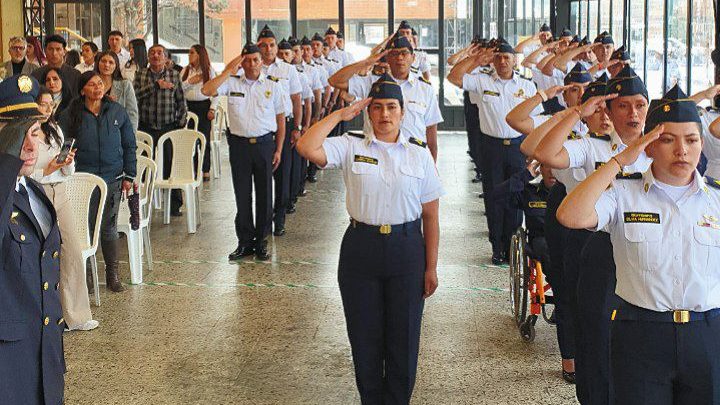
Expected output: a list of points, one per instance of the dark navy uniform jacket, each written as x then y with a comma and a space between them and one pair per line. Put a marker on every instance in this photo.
518, 192
32, 364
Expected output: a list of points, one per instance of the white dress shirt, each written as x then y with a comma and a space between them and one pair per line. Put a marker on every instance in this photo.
83, 67
193, 92
288, 78
252, 105
666, 252
421, 64
39, 209
711, 145
386, 183
123, 56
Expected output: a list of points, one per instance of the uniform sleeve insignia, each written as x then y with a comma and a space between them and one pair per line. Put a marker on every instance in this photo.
417, 142
712, 182
273, 78
414, 69
424, 80
629, 176
356, 134
573, 135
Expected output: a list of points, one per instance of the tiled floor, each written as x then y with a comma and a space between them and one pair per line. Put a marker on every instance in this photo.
202, 330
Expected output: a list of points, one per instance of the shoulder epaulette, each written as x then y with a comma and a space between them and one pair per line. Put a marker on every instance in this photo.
573, 135
235, 76
487, 71
712, 182
417, 142
629, 176
356, 134
273, 78
601, 137
424, 80
414, 69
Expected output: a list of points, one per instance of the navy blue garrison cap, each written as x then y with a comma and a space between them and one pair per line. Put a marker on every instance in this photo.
330, 31
284, 45
294, 41
566, 33
318, 38
544, 28
386, 87
596, 88
17, 97
620, 54
404, 25
305, 41
266, 32
400, 42
584, 41
250, 48
504, 47
340, 35
604, 38
578, 74
627, 83
575, 39
674, 106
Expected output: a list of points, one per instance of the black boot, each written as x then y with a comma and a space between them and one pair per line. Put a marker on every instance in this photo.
110, 255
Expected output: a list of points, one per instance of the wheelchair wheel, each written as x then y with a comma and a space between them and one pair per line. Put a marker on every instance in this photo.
519, 274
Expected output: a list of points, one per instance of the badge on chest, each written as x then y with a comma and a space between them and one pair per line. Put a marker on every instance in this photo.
641, 218
236, 94
366, 159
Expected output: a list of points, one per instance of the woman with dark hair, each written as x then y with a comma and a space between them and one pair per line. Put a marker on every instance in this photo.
72, 58
61, 94
105, 142
35, 53
138, 59
52, 175
116, 88
193, 76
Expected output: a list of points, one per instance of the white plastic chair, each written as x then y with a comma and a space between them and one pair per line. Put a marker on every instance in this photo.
144, 137
218, 127
184, 143
191, 116
80, 187
139, 240
144, 149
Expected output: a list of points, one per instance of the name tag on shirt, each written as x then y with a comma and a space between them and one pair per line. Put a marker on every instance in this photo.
537, 204
491, 93
366, 159
642, 218
236, 94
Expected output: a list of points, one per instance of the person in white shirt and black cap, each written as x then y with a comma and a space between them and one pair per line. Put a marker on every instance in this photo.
256, 114
388, 258
664, 230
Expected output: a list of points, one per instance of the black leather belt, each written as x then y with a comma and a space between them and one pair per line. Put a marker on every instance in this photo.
387, 228
260, 139
629, 312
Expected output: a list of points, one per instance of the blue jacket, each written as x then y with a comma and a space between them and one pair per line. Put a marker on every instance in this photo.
31, 324
105, 144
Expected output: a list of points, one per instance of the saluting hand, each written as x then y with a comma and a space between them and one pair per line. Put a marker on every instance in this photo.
631, 153
711, 92
353, 110
589, 107
374, 59
555, 90
234, 64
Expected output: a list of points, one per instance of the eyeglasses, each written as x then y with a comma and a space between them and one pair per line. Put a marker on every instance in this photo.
17, 48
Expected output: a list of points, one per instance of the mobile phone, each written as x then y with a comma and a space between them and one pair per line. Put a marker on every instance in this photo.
65, 150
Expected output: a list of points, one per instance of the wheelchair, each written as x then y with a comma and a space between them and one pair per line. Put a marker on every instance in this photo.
528, 287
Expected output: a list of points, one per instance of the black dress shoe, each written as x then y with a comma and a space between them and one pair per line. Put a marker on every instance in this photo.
312, 179
496, 259
241, 252
279, 231
175, 212
290, 209
477, 179
302, 193
569, 376
261, 253
481, 195
504, 257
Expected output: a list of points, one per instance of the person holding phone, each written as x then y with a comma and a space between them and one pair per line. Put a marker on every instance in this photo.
55, 164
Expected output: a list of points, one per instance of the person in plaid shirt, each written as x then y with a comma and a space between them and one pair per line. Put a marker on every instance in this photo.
161, 103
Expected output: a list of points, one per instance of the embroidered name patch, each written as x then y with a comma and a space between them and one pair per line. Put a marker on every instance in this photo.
236, 94
537, 204
491, 93
366, 159
642, 218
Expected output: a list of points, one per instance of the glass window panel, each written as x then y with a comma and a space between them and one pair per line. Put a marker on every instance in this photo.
604, 18
490, 15
224, 30
636, 32
574, 16
618, 12
78, 23
583, 18
677, 44
365, 25
512, 31
527, 18
593, 20
423, 16
178, 23
537, 15
703, 42
274, 13
654, 51
133, 18
458, 33
314, 16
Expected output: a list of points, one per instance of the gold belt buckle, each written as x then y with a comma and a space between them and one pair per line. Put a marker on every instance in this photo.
252, 141
385, 229
681, 316
506, 142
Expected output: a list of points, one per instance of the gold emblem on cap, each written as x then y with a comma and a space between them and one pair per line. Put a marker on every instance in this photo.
666, 108
24, 84
618, 87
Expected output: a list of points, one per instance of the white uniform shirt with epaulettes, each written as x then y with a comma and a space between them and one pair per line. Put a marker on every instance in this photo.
252, 105
476, 98
666, 252
341, 56
330, 67
306, 92
322, 73
386, 183
568, 176
419, 102
711, 145
498, 98
421, 64
288, 77
314, 78
593, 151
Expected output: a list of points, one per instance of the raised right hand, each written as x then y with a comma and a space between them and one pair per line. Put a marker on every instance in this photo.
631, 153
353, 110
